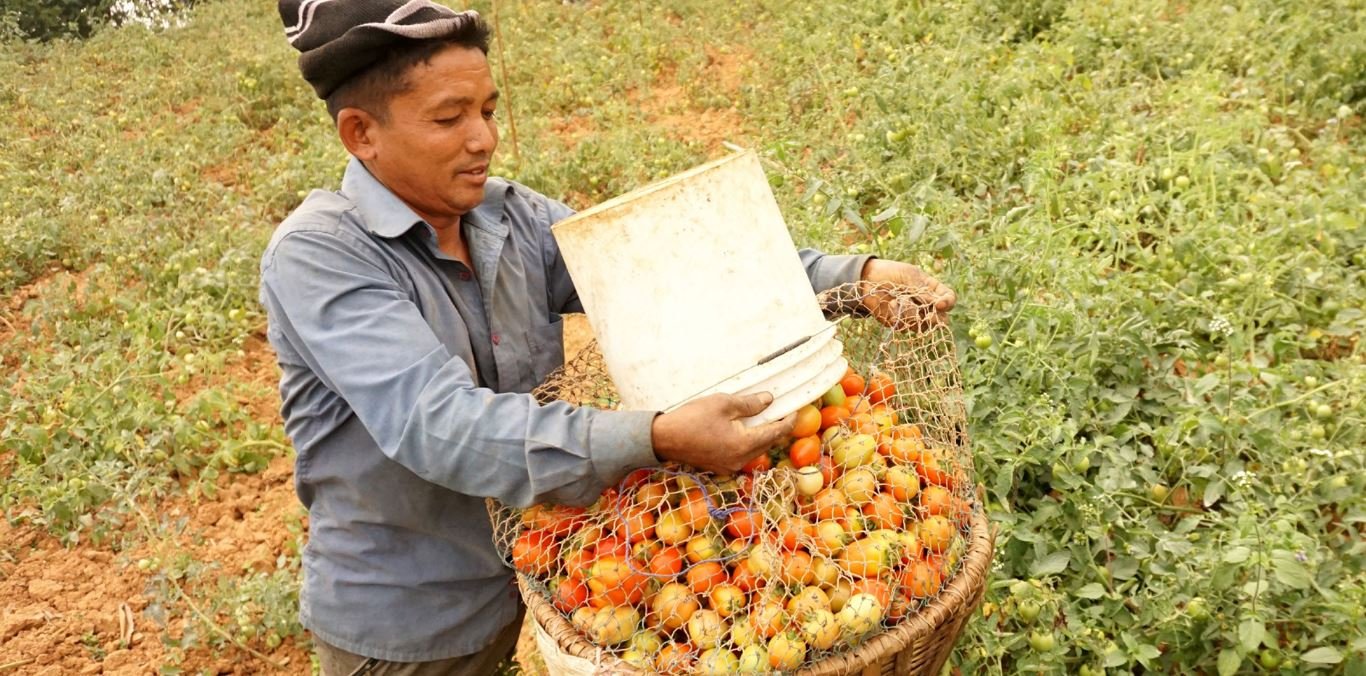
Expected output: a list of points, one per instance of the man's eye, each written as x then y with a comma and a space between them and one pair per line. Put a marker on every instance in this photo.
490, 114
448, 120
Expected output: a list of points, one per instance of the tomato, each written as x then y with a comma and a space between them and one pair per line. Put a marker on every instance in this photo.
921, 580
645, 550
852, 384
935, 501
796, 569
832, 416
807, 600
793, 531
763, 560
858, 404
702, 548
651, 496
907, 431
829, 472
903, 483
672, 528
862, 423
667, 563
935, 469
809, 480
570, 594
716, 662
638, 524
554, 519
868, 557
906, 450
884, 417
582, 620
820, 629
936, 534
672, 606
840, 593
859, 485
744, 524
744, 577
880, 388
875, 588
808, 422
613, 579
674, 658
704, 576
831, 536
1042, 641
696, 512
861, 615
615, 625
834, 396
535, 552
768, 618
577, 562
727, 599
753, 660
612, 545
857, 450
884, 512
706, 629
805, 451
760, 463
829, 504
824, 572
786, 652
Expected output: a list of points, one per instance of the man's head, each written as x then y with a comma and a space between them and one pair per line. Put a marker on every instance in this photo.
409, 86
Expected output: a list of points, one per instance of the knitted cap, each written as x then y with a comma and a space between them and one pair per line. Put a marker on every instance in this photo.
340, 38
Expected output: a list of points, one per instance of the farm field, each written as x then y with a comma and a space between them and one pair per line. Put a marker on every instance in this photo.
1152, 212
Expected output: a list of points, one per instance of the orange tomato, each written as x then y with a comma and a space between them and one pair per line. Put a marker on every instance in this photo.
535, 552
880, 388
935, 501
862, 423
674, 658
672, 606
727, 599
744, 577
832, 416
808, 422
858, 404
828, 504
884, 512
768, 618
695, 509
853, 384
760, 463
571, 593
796, 569
745, 523
934, 468
805, 451
906, 450
903, 483
638, 524
877, 588
667, 563
792, 530
706, 575
921, 580
936, 534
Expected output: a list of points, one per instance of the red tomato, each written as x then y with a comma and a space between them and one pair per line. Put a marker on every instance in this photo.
760, 463
805, 451
535, 552
833, 415
745, 524
852, 384
570, 593
880, 388
703, 576
668, 563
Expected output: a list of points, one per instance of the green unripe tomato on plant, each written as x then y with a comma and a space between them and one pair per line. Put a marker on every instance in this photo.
1029, 611
983, 341
1042, 641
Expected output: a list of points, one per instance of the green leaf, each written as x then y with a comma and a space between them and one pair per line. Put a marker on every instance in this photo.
1229, 661
1251, 633
1237, 554
1289, 571
1124, 567
1322, 655
1214, 490
1051, 565
1092, 591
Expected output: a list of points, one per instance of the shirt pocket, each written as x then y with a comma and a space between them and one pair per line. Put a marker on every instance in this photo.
547, 349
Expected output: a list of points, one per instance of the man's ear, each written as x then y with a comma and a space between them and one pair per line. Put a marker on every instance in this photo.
357, 131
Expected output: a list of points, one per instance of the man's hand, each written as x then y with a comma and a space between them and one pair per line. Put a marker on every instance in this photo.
707, 433
928, 305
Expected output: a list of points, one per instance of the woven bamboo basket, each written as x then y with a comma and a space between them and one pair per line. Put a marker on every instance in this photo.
920, 645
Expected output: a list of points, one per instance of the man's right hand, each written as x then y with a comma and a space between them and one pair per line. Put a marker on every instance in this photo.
707, 433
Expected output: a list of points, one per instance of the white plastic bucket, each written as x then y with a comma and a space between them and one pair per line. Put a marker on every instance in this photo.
693, 286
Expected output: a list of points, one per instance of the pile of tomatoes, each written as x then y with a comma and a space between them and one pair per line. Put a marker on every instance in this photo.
840, 533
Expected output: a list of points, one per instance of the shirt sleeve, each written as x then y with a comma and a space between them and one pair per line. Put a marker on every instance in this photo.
563, 296
367, 341
828, 271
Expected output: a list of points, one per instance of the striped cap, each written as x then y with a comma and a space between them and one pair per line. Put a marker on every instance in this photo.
339, 38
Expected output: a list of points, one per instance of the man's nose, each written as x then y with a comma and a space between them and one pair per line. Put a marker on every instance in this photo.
483, 137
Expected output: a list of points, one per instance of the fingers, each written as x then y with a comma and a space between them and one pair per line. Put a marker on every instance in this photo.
744, 406
766, 435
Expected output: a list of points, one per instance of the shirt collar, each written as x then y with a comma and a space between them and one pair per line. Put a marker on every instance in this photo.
384, 214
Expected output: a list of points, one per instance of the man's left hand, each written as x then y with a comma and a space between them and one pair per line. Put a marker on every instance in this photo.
929, 302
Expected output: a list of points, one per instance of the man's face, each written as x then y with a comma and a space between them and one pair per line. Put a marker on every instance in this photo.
434, 148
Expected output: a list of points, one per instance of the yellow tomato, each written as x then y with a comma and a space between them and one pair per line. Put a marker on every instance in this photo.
615, 624
859, 485
868, 557
706, 629
716, 662
820, 629
807, 600
672, 528
860, 615
786, 652
702, 548
753, 660
673, 605
825, 571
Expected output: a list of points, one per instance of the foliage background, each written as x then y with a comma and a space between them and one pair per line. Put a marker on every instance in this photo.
1151, 211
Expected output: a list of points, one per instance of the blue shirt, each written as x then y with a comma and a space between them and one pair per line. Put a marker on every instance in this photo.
405, 381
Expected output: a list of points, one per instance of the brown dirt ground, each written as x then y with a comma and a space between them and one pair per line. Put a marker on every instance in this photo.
61, 608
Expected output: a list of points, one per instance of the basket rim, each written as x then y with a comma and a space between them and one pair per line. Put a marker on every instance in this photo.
954, 600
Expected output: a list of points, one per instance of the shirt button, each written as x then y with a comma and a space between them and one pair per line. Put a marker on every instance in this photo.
464, 275
495, 339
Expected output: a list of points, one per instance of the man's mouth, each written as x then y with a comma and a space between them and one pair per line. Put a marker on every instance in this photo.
477, 171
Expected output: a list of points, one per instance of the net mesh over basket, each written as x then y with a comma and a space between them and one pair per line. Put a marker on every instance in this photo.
857, 544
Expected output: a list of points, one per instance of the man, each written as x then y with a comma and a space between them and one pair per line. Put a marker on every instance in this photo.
412, 311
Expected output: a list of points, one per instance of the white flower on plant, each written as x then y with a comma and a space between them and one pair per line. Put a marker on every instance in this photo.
1321, 452
1219, 324
1243, 479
